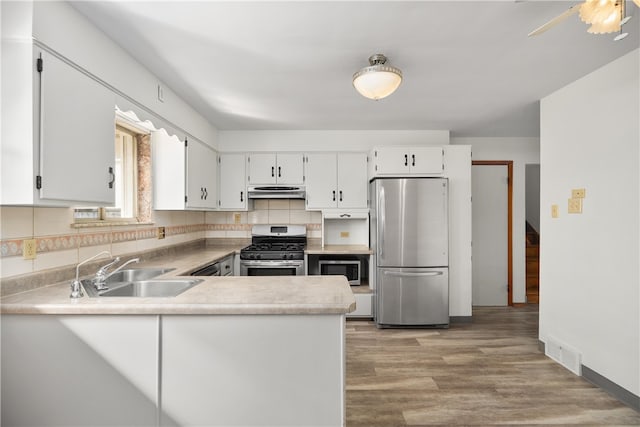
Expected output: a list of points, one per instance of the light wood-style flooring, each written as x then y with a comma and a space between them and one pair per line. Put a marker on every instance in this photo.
489, 372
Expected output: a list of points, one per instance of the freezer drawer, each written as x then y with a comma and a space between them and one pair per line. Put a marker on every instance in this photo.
412, 297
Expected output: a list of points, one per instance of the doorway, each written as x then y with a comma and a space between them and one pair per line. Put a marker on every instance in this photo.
492, 271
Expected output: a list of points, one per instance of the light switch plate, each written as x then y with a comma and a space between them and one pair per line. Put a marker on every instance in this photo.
344, 234
575, 206
578, 193
554, 211
162, 232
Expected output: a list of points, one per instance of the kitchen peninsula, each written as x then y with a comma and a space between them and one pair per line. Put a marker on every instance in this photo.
229, 351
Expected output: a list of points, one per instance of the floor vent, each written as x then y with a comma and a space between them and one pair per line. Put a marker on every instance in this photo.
565, 355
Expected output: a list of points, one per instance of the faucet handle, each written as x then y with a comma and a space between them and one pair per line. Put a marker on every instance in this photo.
105, 267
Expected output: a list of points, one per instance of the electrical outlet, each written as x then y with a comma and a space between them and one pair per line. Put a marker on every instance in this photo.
555, 213
578, 193
236, 218
161, 233
29, 248
575, 206
344, 234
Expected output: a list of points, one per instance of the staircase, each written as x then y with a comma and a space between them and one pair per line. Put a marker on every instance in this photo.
533, 264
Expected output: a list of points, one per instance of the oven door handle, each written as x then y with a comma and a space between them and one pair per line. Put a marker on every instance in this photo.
274, 263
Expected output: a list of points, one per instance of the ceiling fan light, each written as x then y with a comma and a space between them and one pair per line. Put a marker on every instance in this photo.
594, 11
604, 28
378, 80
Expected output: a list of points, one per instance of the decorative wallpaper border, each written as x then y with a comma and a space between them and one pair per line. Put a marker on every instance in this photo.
62, 242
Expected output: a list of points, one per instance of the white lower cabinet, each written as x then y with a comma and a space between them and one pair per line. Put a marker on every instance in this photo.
363, 306
79, 370
248, 370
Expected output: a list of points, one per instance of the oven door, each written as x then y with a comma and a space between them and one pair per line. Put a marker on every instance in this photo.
272, 268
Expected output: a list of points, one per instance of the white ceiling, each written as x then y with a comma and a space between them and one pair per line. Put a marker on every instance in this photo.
468, 66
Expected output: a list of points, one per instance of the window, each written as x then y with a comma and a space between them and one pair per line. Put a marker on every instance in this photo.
126, 175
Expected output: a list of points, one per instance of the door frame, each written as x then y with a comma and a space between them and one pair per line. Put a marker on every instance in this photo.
509, 165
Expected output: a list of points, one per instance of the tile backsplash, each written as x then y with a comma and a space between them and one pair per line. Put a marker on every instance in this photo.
60, 244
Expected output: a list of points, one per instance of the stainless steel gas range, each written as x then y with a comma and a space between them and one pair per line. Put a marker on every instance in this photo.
275, 250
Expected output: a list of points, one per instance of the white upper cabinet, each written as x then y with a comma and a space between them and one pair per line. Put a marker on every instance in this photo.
202, 176
67, 120
184, 173
336, 180
232, 192
407, 160
275, 168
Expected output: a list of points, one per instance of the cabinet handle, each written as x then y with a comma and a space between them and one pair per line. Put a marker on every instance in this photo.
406, 160
273, 171
113, 177
201, 193
413, 160
279, 172
242, 196
334, 195
345, 216
340, 195
206, 193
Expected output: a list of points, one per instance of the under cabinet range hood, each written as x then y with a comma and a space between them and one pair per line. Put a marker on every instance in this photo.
276, 192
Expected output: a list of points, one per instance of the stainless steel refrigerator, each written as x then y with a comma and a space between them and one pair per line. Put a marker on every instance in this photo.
410, 239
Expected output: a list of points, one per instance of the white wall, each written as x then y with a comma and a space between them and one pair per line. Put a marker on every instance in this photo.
326, 140
521, 151
589, 267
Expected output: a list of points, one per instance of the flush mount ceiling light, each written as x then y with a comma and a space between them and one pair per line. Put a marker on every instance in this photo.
378, 80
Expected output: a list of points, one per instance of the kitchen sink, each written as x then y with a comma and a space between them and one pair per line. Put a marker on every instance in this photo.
150, 288
133, 274
139, 282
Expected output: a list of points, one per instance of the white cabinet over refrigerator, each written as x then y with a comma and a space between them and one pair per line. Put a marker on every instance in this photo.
393, 160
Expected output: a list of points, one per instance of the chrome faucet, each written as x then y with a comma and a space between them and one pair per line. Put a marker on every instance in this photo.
76, 286
102, 275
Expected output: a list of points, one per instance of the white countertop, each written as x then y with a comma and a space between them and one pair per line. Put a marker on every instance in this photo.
215, 295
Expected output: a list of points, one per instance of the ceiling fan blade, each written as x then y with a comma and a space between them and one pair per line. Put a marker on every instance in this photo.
558, 19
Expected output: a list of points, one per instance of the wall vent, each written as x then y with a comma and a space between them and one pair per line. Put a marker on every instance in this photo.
565, 355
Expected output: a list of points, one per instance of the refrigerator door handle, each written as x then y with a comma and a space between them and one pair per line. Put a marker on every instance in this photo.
381, 203
409, 274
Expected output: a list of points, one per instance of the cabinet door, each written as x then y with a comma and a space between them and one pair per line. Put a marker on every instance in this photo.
202, 175
321, 181
233, 190
77, 131
426, 160
391, 160
261, 168
290, 168
74, 370
352, 180
169, 173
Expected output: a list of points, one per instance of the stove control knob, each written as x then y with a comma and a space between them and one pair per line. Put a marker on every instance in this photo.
258, 256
